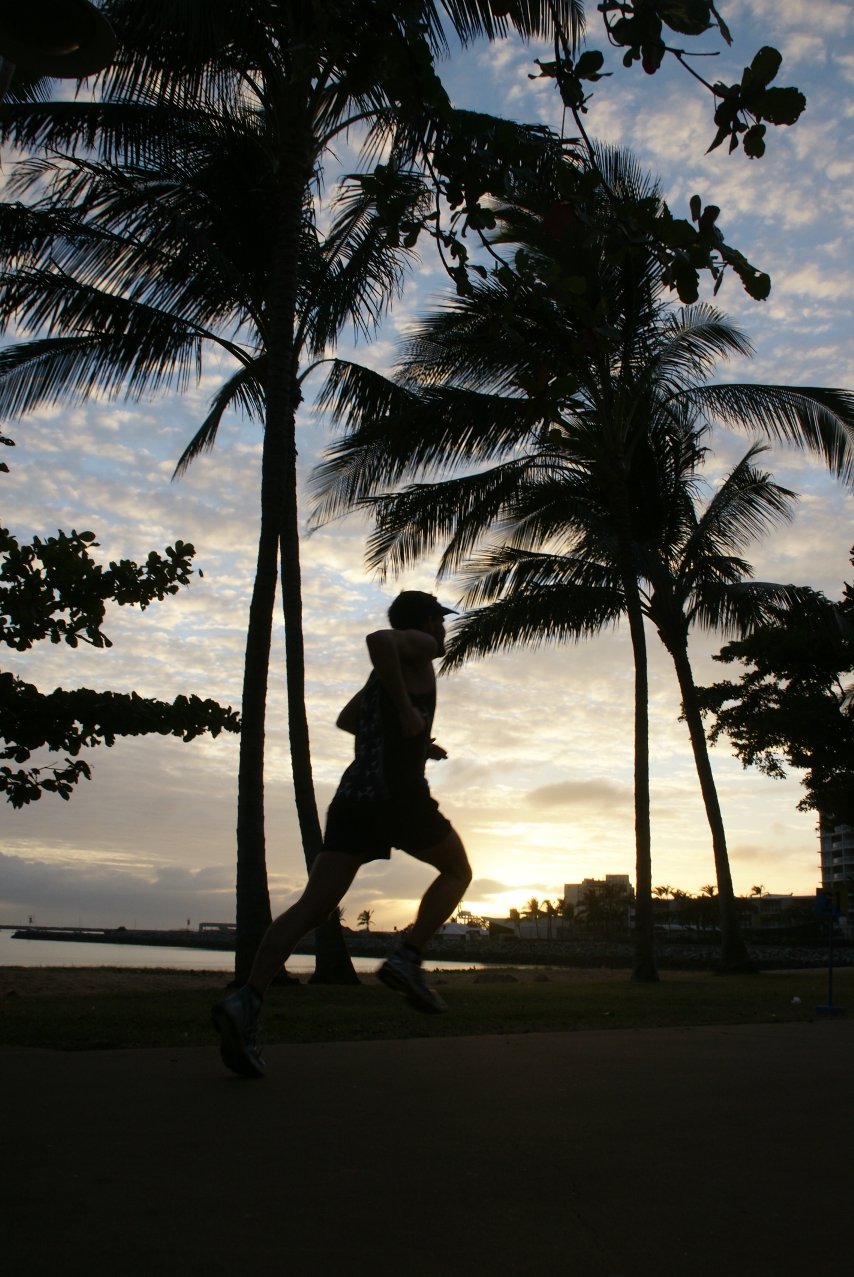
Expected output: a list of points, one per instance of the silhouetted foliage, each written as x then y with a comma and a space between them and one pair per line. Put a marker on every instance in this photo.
53, 589
791, 706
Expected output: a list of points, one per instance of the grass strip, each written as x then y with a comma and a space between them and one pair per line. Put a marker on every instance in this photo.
317, 1013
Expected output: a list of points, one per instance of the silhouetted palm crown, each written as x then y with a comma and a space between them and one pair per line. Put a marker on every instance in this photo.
570, 352
132, 269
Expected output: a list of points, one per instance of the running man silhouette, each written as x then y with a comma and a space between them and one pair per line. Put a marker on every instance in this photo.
383, 801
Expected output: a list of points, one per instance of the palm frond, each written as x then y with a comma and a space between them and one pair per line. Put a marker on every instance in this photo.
356, 272
355, 395
506, 571
692, 341
532, 19
410, 523
548, 614
733, 610
745, 507
812, 417
396, 433
68, 370
245, 389
122, 132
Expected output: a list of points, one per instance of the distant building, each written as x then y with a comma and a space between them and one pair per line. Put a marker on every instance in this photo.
462, 930
543, 928
836, 857
772, 908
837, 854
573, 891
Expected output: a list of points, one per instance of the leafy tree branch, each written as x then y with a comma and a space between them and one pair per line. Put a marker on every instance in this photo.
54, 589
792, 706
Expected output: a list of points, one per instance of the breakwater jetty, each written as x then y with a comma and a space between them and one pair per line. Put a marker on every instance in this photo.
502, 950
209, 936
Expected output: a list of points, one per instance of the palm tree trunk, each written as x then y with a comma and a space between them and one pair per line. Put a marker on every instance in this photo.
253, 898
333, 963
645, 969
734, 955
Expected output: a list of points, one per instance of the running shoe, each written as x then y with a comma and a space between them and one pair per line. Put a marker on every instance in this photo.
403, 974
236, 1020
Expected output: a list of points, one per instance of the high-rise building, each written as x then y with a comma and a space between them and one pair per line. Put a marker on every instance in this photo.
837, 854
572, 890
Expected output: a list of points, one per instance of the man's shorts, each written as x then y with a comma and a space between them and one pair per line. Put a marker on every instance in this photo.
370, 827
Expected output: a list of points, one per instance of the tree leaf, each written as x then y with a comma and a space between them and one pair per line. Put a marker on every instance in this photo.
780, 106
765, 65
754, 141
688, 17
589, 64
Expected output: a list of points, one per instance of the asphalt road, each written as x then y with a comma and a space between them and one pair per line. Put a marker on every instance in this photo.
680, 1153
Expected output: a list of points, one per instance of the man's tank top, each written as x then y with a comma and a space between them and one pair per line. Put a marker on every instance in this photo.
387, 764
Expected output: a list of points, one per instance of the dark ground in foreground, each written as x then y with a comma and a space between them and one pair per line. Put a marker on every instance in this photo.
636, 1153
102, 1009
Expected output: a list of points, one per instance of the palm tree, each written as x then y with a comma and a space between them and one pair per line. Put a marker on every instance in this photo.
364, 919
661, 893
133, 271
303, 74
700, 579
534, 912
572, 358
566, 911
552, 910
687, 563
516, 919
680, 897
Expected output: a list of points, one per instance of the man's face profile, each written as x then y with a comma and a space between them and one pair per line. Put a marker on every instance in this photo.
435, 627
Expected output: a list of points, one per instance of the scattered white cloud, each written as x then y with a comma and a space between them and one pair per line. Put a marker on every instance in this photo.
828, 17
597, 792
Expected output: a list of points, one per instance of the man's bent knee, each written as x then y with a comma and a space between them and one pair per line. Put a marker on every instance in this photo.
461, 868
464, 872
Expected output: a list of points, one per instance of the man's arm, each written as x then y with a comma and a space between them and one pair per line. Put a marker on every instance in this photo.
388, 649
348, 719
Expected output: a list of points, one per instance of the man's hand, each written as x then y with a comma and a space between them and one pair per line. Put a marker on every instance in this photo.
412, 720
436, 751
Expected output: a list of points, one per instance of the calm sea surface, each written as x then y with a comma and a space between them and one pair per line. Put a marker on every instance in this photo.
59, 953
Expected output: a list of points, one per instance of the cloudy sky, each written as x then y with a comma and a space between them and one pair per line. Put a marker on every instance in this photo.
538, 779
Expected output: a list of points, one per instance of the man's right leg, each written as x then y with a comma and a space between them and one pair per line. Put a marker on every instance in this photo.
236, 1018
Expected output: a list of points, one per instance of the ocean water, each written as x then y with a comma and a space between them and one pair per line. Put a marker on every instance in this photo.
64, 953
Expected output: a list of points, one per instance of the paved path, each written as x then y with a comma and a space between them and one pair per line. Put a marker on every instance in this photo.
710, 1152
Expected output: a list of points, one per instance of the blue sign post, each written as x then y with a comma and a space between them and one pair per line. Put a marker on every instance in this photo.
831, 903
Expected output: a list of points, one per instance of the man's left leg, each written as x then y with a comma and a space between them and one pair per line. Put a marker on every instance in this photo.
330, 879
236, 1017
402, 971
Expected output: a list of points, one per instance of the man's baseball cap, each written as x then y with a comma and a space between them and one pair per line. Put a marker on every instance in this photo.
412, 608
